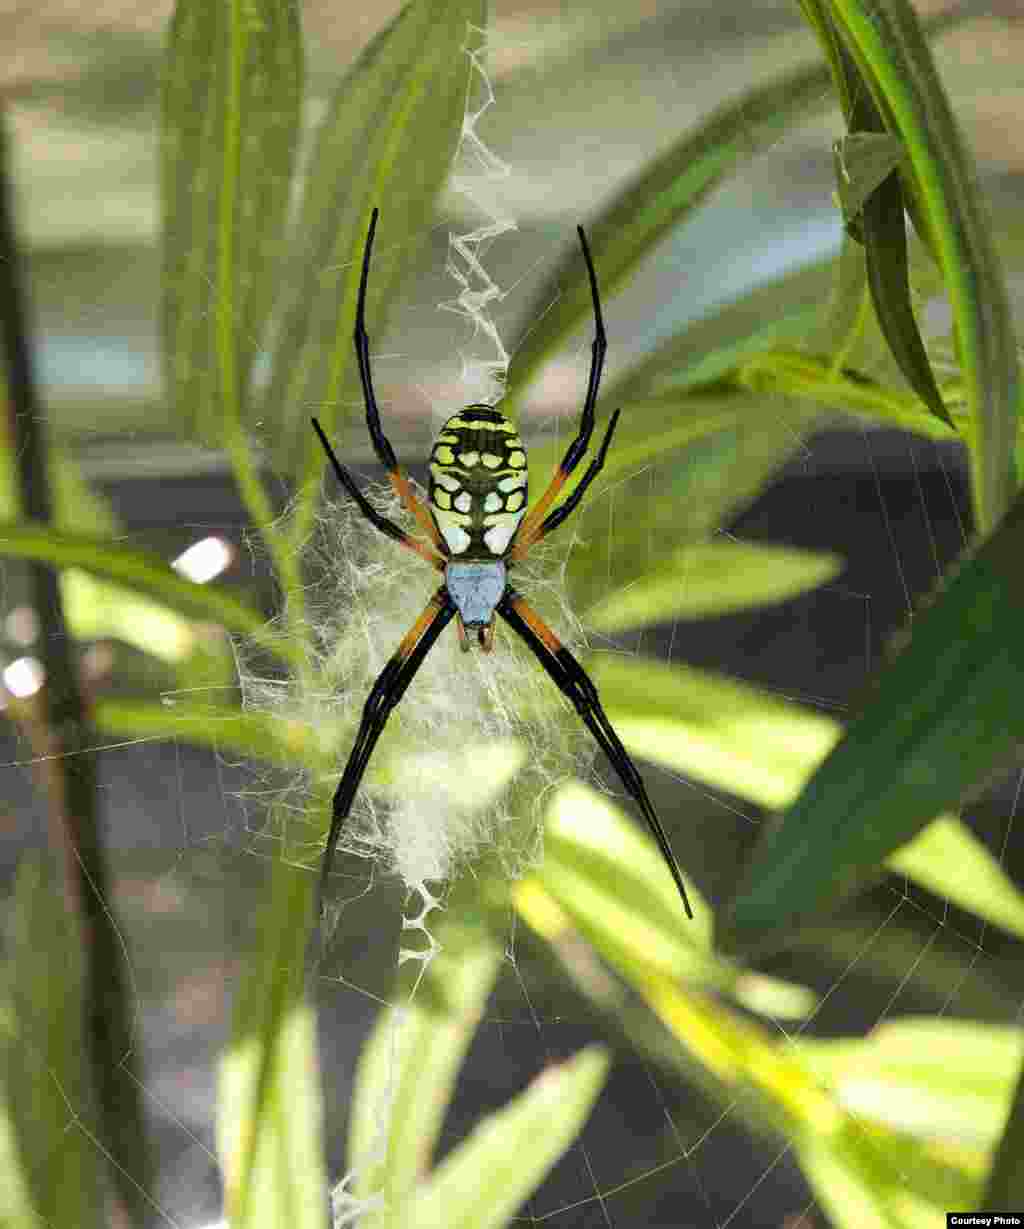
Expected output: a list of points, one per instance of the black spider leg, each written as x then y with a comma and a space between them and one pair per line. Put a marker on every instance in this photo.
597, 352
380, 442
385, 694
369, 511
530, 525
572, 680
381, 445
554, 519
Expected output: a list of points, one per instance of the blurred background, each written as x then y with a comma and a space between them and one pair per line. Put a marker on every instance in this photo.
585, 95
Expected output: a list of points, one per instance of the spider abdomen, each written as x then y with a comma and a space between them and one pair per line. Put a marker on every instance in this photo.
478, 486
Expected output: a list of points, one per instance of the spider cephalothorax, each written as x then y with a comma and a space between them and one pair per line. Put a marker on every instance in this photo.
478, 527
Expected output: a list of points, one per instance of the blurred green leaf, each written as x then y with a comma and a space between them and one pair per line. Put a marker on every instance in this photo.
232, 93
141, 571
942, 719
269, 1117
719, 730
762, 748
54, 1176
96, 609
607, 875
387, 140
665, 192
75, 503
485, 1180
933, 1076
700, 358
1004, 1187
708, 579
672, 498
887, 43
803, 377
872, 1177
663, 195
252, 735
949, 860
407, 1070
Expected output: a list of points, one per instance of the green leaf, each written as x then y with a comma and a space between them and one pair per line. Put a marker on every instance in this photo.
717, 729
269, 1114
141, 571
942, 719
282, 740
869, 1177
706, 351
665, 192
672, 498
484, 1182
709, 579
606, 874
884, 235
978, 884
1005, 1185
387, 140
232, 94
934, 1077
891, 53
52, 1176
863, 161
662, 196
406, 1072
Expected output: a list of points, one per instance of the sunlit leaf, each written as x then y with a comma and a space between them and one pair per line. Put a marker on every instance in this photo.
709, 579
935, 1077
142, 571
978, 883
485, 1180
269, 1115
407, 1070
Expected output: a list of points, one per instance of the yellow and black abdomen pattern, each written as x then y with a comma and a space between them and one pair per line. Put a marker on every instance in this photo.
478, 482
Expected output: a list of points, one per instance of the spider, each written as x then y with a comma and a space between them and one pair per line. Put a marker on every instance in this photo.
479, 527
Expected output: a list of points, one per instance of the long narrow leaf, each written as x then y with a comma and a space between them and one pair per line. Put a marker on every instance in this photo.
269, 1108
891, 52
945, 716
483, 1183
142, 571
407, 1071
387, 140
240, 63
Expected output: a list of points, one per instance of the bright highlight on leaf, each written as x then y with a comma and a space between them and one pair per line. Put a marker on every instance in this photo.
204, 560
24, 677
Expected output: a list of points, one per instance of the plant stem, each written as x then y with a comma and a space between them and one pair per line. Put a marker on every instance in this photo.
68, 745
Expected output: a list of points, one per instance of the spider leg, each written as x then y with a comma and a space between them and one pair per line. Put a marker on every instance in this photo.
571, 679
555, 518
385, 694
529, 527
370, 512
381, 446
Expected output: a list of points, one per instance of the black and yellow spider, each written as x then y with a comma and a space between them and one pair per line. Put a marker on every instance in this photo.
479, 528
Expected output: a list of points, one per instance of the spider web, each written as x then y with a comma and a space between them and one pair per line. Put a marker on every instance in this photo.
654, 1152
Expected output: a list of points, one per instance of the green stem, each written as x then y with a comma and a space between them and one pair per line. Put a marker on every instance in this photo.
252, 490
